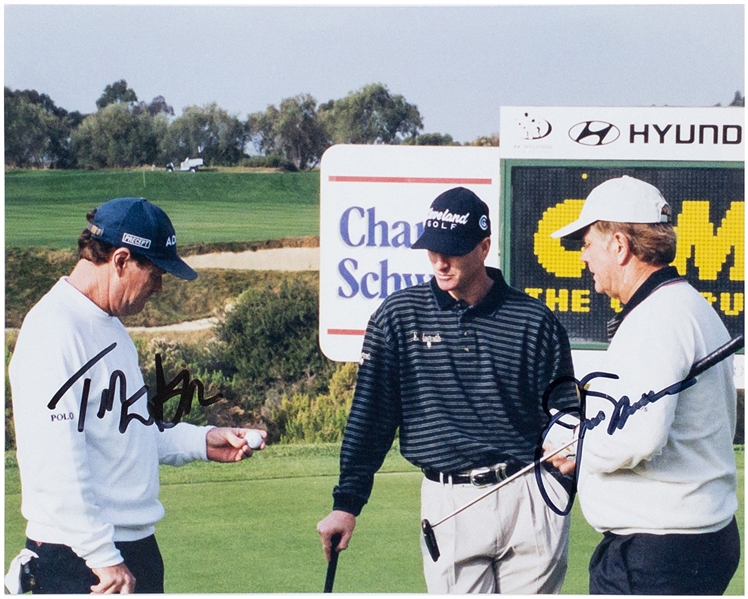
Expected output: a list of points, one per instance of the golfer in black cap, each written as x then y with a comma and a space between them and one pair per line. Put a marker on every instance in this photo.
88, 451
459, 365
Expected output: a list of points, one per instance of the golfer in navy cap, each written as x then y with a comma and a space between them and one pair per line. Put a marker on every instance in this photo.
459, 365
89, 481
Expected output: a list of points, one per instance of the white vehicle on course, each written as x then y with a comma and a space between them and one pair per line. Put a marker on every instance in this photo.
188, 164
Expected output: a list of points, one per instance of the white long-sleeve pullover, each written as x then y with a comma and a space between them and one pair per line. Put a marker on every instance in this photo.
87, 489
671, 468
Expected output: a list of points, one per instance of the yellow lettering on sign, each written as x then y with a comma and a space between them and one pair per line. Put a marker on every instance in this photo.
558, 299
710, 251
731, 308
696, 236
580, 300
710, 297
552, 256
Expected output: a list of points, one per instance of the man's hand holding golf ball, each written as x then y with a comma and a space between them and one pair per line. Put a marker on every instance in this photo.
233, 444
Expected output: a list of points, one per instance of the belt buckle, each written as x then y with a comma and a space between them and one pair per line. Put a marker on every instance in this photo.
488, 475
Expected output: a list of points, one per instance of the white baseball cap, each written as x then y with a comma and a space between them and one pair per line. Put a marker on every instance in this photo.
620, 200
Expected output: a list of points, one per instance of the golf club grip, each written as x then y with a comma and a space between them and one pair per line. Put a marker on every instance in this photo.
333, 564
717, 356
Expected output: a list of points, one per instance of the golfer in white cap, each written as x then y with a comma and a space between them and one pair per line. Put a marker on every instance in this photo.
661, 489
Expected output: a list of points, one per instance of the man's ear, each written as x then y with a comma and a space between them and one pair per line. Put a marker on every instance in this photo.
485, 246
119, 259
621, 247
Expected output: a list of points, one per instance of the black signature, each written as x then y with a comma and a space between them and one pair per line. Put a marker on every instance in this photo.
182, 385
623, 409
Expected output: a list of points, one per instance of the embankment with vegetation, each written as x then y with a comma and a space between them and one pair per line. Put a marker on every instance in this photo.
262, 357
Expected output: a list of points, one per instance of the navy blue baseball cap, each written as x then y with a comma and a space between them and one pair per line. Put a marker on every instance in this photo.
144, 229
457, 222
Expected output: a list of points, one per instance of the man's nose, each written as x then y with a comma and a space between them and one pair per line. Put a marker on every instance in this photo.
440, 261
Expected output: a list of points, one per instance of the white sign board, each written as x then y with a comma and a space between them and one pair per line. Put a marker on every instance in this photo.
610, 133
373, 204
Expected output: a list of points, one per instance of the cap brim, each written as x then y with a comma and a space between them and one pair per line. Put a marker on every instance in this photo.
177, 267
573, 230
449, 245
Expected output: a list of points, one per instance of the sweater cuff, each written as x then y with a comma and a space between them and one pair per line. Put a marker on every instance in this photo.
196, 443
182, 444
104, 557
347, 502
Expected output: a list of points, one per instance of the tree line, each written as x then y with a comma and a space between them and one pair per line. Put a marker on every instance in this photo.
125, 132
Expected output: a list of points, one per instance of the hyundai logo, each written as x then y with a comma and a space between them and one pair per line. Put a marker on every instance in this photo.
594, 133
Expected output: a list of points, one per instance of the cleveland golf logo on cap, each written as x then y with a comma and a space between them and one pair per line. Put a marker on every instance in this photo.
439, 219
140, 242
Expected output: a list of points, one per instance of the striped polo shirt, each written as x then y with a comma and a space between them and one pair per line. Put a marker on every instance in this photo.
464, 384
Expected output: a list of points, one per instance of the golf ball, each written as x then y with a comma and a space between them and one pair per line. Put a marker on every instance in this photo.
253, 439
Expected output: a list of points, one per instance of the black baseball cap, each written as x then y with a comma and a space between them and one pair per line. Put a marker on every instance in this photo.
457, 222
144, 229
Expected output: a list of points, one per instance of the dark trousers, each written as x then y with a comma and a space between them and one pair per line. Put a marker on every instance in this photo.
677, 564
60, 571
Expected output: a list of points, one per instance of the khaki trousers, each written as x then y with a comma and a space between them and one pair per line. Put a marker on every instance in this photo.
510, 542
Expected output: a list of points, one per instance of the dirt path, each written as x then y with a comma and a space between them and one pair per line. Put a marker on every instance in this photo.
191, 325
286, 259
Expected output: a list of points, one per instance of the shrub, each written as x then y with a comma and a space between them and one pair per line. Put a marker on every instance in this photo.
270, 341
199, 361
271, 161
303, 419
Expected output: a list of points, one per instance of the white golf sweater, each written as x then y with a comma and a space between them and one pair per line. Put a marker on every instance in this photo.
671, 468
87, 489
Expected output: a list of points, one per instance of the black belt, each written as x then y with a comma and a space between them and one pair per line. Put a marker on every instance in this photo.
479, 477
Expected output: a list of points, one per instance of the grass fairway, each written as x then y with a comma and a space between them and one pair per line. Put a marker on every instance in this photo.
48, 208
250, 527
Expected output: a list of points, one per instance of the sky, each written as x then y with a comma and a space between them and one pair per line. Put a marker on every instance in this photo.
457, 64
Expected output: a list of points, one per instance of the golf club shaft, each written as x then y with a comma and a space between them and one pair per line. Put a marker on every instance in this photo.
505, 482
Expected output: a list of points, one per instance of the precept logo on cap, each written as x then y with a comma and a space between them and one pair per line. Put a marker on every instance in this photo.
140, 242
